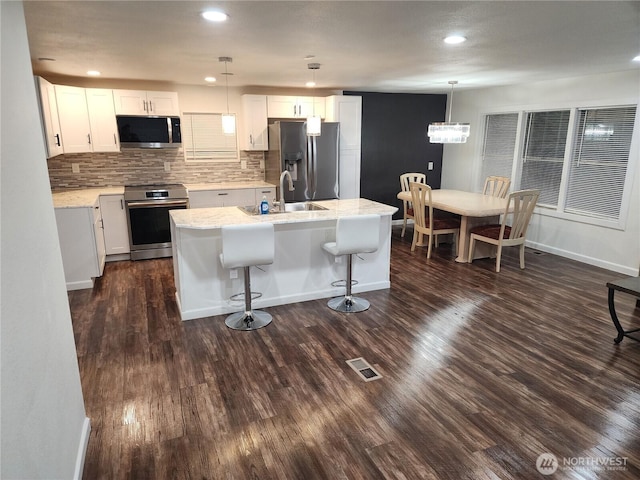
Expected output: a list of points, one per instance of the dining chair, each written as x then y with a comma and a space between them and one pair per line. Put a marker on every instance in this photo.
405, 180
496, 186
424, 222
519, 209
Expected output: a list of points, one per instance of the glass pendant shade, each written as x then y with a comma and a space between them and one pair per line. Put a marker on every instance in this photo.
449, 132
446, 132
313, 126
228, 124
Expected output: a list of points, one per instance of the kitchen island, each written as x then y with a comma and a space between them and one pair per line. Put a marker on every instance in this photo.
301, 271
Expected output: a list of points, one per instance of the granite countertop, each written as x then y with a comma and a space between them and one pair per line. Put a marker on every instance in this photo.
82, 198
208, 218
87, 197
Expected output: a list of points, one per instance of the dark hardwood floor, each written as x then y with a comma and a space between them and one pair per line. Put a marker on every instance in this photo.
482, 373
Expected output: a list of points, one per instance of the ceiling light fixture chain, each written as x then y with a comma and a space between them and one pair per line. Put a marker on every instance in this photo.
314, 123
228, 120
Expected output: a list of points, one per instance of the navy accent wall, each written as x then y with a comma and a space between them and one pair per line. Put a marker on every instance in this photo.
394, 141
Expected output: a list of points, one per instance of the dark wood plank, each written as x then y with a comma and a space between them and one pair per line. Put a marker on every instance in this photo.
482, 372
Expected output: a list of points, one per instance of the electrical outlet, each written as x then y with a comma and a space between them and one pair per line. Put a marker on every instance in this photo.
243, 164
233, 273
430, 166
75, 167
167, 166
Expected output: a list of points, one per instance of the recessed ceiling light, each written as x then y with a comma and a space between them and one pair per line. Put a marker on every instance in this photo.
310, 84
93, 73
215, 16
636, 59
309, 57
455, 39
210, 79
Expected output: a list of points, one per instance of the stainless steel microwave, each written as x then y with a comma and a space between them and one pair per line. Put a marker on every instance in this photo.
149, 132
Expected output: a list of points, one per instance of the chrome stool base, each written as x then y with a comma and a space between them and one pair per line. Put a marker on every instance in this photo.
252, 320
348, 304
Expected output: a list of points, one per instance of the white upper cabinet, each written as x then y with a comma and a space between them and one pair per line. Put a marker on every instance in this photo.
87, 119
49, 117
74, 119
284, 106
255, 135
102, 119
141, 102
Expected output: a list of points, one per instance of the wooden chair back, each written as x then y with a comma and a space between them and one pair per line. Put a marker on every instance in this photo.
496, 186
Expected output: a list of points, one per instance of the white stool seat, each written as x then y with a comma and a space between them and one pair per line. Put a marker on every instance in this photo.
244, 246
355, 234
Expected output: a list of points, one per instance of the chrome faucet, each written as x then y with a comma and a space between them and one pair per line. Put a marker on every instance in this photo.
291, 189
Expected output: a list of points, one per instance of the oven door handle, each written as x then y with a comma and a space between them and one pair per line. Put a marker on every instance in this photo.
176, 203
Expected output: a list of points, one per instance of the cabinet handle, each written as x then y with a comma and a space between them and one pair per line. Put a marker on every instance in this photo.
223, 194
266, 191
89, 138
251, 139
121, 204
144, 105
57, 137
115, 142
150, 106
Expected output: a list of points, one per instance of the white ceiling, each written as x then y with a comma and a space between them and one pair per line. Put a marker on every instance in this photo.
362, 45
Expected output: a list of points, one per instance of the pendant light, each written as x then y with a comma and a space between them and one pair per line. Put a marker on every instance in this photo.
314, 122
228, 120
448, 132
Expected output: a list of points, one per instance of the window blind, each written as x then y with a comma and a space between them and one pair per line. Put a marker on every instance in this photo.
599, 161
543, 154
499, 144
203, 138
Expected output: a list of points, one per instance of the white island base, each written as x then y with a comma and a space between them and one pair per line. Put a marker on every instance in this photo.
301, 270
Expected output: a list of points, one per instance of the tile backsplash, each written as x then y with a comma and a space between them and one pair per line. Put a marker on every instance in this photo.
140, 166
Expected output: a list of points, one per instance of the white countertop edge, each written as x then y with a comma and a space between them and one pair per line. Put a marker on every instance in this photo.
212, 218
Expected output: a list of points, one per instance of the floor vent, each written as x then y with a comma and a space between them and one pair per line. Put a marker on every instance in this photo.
362, 368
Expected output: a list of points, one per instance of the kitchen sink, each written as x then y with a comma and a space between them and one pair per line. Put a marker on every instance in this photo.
288, 208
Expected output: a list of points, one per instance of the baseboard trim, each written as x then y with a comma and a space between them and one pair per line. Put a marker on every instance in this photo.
82, 449
596, 262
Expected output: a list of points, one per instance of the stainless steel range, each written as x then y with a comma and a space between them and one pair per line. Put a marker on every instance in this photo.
148, 217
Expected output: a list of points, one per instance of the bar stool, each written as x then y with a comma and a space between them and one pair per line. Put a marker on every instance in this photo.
357, 234
246, 246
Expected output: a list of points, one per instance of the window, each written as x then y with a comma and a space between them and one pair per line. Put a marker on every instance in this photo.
204, 140
543, 154
499, 144
599, 161
577, 158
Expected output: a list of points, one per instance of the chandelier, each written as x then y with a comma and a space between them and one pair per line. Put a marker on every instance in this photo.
449, 132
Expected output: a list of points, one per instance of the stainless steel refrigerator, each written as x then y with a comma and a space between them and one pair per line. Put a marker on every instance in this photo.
311, 161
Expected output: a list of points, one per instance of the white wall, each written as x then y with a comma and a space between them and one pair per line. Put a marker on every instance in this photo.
616, 250
44, 427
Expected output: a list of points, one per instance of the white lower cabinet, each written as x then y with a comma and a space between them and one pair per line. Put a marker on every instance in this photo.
268, 192
81, 244
222, 198
114, 221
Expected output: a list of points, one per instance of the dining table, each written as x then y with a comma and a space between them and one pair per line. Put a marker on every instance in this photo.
474, 209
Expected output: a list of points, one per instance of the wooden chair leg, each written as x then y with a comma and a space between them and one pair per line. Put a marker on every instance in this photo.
430, 245
522, 256
472, 246
404, 226
498, 257
415, 240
